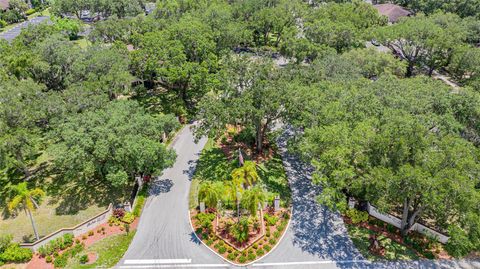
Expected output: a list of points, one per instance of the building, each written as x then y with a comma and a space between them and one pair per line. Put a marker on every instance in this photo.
4, 4
393, 12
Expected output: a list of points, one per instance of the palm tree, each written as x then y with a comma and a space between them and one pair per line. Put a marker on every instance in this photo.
210, 194
252, 198
246, 175
27, 200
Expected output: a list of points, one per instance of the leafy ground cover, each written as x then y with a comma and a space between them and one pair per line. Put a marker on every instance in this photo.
109, 251
393, 250
377, 240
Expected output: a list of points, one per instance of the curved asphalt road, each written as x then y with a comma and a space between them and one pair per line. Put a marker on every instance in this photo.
14, 32
316, 237
164, 234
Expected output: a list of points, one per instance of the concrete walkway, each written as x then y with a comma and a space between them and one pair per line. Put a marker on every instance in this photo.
14, 32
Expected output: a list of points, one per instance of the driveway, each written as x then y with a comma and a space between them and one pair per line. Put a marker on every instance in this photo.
316, 237
14, 32
164, 235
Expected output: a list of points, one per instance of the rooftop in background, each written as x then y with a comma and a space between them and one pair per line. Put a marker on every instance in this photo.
4, 4
393, 12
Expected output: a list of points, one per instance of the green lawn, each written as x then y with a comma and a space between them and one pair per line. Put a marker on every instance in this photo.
393, 250
213, 165
47, 219
109, 250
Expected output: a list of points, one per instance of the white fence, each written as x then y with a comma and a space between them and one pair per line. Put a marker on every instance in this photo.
81, 228
397, 223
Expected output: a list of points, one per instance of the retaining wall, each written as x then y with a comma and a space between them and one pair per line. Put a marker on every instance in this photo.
81, 228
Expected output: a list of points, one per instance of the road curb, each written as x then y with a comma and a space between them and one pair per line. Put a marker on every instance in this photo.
244, 264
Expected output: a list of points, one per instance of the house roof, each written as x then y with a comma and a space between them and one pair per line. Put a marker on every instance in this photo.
393, 12
4, 4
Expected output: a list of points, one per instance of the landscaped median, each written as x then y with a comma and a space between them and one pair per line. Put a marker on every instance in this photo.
243, 240
239, 200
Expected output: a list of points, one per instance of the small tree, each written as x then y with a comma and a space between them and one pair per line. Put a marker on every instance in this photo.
27, 200
252, 198
210, 194
246, 175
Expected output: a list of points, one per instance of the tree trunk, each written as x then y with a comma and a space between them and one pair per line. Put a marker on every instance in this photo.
33, 224
259, 138
410, 69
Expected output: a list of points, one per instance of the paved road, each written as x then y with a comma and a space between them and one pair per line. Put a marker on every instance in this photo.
164, 232
14, 32
316, 237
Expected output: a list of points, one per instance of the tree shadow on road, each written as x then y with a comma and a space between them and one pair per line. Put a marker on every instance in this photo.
160, 186
316, 230
194, 239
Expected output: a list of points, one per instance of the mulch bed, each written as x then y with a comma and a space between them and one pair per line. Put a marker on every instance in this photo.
396, 237
38, 262
230, 148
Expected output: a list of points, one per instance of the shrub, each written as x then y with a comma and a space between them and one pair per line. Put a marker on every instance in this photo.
286, 215
90, 233
357, 216
217, 246
141, 197
30, 11
459, 244
48, 259
119, 213
242, 259
391, 228
255, 246
251, 256
240, 230
222, 250
3, 23
276, 234
267, 247
260, 252
429, 255
84, 237
231, 256
83, 259
128, 218
55, 254
272, 241
5, 242
209, 242
67, 240
15, 254
43, 251
271, 220
205, 221
229, 250
60, 262
77, 241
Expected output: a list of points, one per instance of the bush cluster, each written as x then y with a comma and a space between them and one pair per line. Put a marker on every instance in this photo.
357, 216
60, 243
270, 219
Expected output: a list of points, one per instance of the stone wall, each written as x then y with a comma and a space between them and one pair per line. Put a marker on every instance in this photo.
81, 228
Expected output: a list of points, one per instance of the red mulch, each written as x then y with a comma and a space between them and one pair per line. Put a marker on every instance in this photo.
230, 148
38, 262
397, 237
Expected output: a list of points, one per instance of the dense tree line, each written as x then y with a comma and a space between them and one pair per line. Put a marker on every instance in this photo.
371, 124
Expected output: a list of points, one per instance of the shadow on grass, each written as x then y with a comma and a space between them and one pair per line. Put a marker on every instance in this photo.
75, 196
214, 165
